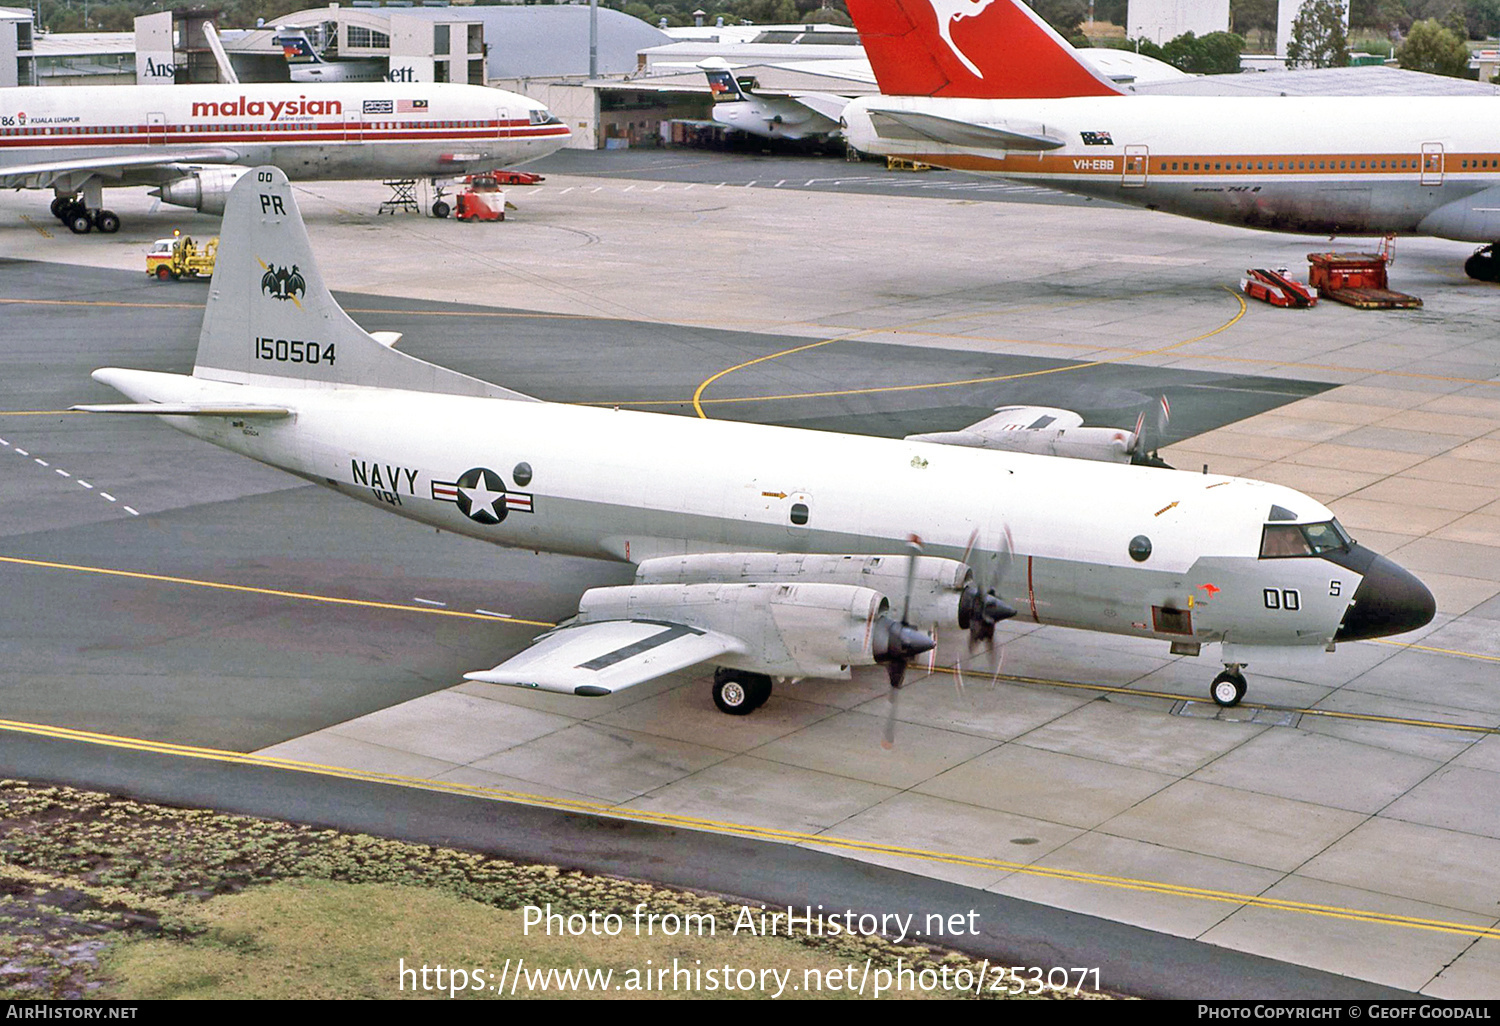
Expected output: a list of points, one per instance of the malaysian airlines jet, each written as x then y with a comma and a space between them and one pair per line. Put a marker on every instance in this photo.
763, 551
986, 86
192, 142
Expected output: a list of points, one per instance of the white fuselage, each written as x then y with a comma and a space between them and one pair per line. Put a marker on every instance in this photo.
325, 131
774, 117
630, 486
1320, 165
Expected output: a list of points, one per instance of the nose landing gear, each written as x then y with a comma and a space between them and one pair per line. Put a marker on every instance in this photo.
1228, 687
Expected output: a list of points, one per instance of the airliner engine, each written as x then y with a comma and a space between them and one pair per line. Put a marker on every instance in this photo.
203, 189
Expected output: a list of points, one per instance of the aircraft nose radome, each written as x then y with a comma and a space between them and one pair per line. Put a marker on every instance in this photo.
1390, 600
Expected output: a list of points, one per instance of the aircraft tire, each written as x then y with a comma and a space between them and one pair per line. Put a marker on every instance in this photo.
107, 221
80, 224
441, 209
60, 205
733, 693
1483, 265
1228, 689
760, 688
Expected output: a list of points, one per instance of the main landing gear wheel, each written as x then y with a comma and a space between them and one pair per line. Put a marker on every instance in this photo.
107, 221
1228, 688
80, 224
60, 205
739, 693
1484, 265
441, 209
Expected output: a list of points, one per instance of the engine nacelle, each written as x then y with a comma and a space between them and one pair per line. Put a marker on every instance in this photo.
788, 630
936, 587
1042, 431
204, 189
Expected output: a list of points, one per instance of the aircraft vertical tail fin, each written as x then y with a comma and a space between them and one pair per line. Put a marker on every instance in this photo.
721, 81
985, 49
271, 320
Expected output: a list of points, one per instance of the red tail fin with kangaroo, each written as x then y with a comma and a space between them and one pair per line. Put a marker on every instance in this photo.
987, 49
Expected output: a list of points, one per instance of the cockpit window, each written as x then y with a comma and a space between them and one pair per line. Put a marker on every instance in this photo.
1285, 541
542, 116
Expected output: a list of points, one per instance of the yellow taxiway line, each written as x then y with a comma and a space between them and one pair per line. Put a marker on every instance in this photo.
278, 593
755, 832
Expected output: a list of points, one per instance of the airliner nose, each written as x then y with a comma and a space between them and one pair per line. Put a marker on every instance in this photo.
1389, 600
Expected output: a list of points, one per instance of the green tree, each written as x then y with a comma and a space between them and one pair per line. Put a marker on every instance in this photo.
1318, 37
1112, 11
1217, 53
1258, 16
1434, 49
1066, 16
1483, 17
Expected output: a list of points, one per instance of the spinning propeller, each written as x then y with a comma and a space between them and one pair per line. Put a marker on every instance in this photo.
980, 606
1150, 435
896, 643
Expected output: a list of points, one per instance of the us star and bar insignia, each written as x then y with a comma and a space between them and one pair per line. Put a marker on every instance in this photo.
481, 495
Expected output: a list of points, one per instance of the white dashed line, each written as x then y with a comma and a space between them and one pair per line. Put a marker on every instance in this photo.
491, 612
60, 472
427, 602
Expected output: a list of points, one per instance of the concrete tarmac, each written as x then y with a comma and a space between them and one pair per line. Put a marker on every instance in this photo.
1346, 821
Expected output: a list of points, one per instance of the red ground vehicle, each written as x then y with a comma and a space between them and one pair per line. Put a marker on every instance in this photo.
481, 200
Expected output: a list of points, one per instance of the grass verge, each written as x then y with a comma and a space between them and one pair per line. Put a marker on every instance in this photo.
102, 896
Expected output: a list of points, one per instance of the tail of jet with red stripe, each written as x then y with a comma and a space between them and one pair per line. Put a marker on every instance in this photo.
986, 49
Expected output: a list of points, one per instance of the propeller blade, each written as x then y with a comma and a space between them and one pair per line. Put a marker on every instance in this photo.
914, 546
889, 740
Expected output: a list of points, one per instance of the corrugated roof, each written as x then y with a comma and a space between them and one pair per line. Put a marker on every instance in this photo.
1368, 81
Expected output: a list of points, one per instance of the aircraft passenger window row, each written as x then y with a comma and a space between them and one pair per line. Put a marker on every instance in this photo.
1298, 165
1284, 541
1481, 163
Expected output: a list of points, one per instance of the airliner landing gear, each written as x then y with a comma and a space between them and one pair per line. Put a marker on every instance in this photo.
1228, 687
1484, 265
80, 220
740, 693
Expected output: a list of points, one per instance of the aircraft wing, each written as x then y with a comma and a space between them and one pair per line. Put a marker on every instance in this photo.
826, 104
913, 125
603, 657
188, 409
44, 175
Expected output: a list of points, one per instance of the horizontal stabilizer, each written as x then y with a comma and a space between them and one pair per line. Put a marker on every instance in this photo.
601, 658
909, 126
826, 104
188, 409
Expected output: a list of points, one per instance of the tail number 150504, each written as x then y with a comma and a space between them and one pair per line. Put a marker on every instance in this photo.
284, 350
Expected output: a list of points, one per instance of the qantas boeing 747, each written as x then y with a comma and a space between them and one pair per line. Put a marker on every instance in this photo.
986, 86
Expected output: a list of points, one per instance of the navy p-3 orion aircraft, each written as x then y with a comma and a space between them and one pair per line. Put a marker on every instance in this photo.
768, 552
